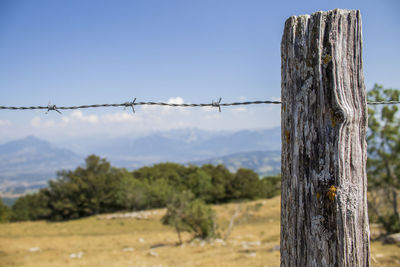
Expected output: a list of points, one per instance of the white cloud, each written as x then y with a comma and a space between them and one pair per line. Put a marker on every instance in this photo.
35, 122
120, 117
49, 123
4, 122
175, 100
77, 115
239, 109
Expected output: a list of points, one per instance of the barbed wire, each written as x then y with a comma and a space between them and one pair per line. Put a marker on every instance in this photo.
132, 104
383, 102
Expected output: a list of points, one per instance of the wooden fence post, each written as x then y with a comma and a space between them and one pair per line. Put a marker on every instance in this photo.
324, 219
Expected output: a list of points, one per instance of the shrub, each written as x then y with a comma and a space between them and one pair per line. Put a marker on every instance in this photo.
185, 213
391, 223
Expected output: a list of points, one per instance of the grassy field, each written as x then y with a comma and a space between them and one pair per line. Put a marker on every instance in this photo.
254, 241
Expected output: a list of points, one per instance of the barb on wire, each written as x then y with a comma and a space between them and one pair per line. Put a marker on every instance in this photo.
52, 107
131, 104
217, 104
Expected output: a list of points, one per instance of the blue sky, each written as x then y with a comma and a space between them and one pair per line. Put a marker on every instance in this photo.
88, 52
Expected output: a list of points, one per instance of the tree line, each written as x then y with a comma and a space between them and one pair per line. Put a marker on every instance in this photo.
97, 187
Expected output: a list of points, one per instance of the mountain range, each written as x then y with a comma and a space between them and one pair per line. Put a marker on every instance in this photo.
27, 164
262, 162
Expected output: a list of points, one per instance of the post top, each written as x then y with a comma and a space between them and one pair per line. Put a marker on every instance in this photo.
321, 13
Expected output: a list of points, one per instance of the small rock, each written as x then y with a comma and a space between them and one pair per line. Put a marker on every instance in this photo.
153, 253
35, 249
195, 240
375, 236
392, 239
220, 241
233, 242
252, 254
246, 245
76, 255
202, 243
158, 245
379, 255
254, 243
275, 248
128, 249
141, 240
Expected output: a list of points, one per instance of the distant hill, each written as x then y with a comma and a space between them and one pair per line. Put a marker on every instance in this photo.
9, 201
262, 162
28, 163
180, 146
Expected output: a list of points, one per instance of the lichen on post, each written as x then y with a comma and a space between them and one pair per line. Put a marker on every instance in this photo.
324, 219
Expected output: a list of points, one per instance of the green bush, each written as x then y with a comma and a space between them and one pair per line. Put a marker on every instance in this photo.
391, 223
185, 213
200, 218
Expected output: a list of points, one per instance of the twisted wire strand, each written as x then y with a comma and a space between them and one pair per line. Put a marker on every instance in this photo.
129, 104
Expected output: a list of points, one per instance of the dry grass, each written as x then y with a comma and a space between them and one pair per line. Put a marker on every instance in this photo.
110, 242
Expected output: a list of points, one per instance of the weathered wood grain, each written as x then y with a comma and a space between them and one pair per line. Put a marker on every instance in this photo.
324, 220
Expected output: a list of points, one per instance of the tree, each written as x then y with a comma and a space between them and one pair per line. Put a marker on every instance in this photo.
221, 179
270, 186
132, 194
200, 183
383, 164
245, 185
31, 207
85, 191
176, 209
160, 191
4, 212
185, 213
